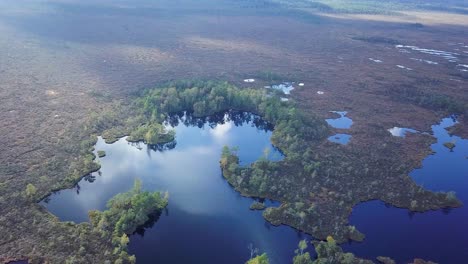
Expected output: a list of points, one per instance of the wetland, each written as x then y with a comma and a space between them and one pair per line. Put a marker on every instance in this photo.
205, 218
223, 131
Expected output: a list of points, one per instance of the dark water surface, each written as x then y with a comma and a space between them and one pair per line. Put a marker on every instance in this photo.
206, 220
440, 236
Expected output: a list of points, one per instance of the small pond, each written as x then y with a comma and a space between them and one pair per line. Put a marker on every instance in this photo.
285, 87
206, 221
342, 139
401, 131
342, 122
448, 55
440, 236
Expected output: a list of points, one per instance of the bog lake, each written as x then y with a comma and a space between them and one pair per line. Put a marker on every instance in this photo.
206, 221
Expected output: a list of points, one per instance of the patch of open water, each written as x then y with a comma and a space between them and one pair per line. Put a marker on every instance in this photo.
206, 221
285, 87
342, 139
425, 61
375, 60
441, 235
343, 122
401, 131
462, 67
450, 56
404, 67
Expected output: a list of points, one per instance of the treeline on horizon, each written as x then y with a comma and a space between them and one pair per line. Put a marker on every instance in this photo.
389, 7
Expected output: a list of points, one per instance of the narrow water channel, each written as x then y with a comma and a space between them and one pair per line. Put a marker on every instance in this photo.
440, 236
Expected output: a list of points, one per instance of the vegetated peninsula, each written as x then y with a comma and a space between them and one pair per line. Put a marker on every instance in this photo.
328, 252
126, 212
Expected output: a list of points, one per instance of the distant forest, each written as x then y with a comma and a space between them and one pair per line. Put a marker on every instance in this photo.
376, 6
